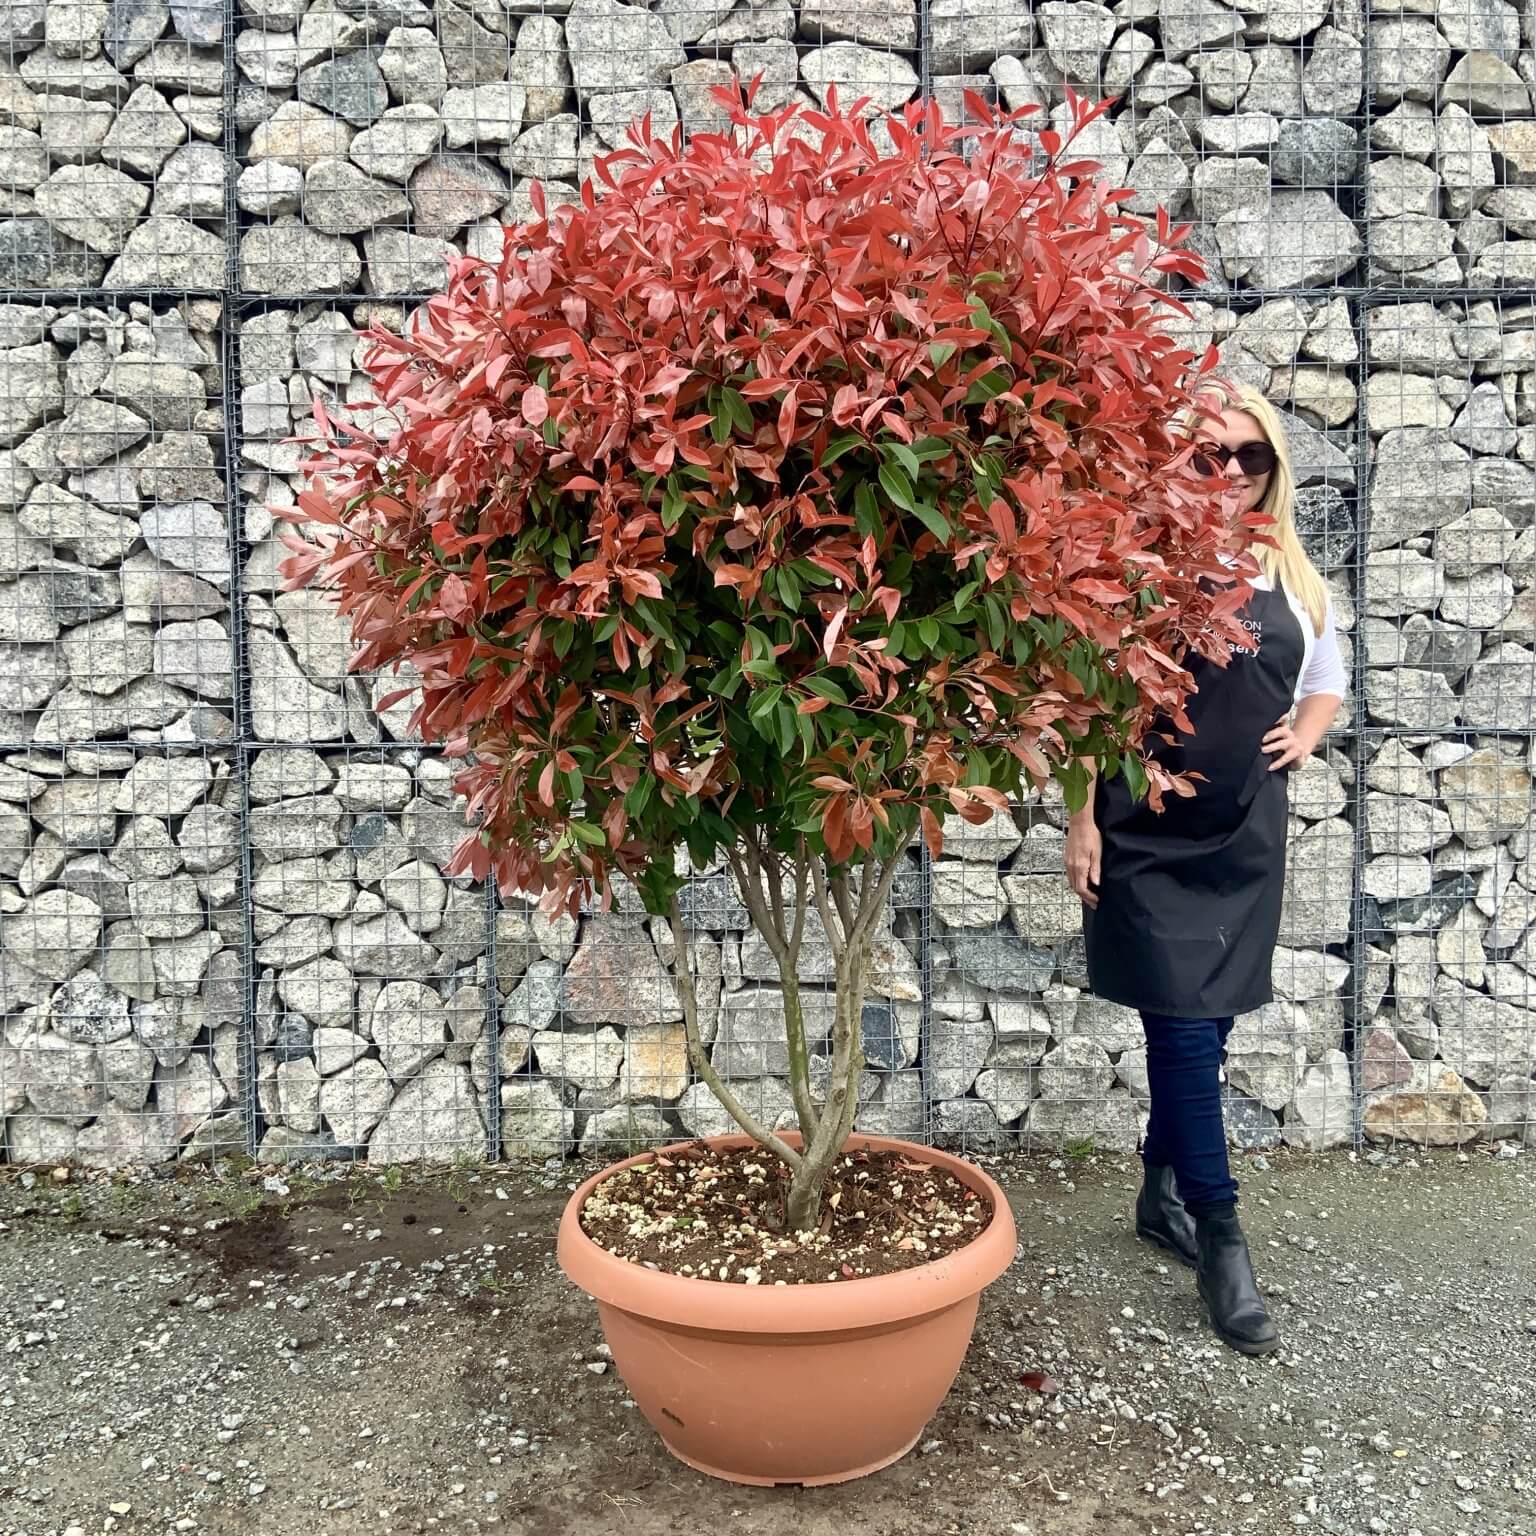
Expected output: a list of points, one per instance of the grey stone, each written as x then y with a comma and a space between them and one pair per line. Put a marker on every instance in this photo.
1501, 689
88, 1012
195, 656
1316, 152
349, 86
435, 1117
384, 946
1111, 1124
615, 47
752, 1039
399, 262
1077, 1069
409, 1025
886, 78
1409, 59
288, 256
298, 133
144, 134
546, 150
1261, 246
35, 255
1483, 83
166, 909
541, 66
1190, 25
339, 199
270, 188
93, 204
1334, 73
534, 1121
54, 934
1000, 961
285, 705
482, 115
34, 393
62, 1077
191, 183
321, 990
168, 252
970, 34
1321, 1114
413, 64
450, 190
1420, 481
133, 27
1487, 25
476, 53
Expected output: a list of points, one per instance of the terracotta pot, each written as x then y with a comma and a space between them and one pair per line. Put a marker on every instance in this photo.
798, 1383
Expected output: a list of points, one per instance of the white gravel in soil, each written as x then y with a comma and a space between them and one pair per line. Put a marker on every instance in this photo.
331, 1387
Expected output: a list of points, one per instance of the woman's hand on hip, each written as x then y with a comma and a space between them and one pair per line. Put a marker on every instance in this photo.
1085, 848
1284, 745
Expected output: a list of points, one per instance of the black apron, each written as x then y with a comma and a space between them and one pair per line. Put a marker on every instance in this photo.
1190, 899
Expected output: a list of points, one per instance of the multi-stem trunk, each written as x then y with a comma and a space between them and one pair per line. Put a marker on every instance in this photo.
850, 911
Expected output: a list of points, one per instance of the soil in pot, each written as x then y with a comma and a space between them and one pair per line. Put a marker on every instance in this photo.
719, 1214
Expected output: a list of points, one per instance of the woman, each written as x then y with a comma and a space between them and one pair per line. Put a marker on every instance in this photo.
1182, 907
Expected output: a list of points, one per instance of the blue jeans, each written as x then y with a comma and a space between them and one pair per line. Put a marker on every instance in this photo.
1185, 1129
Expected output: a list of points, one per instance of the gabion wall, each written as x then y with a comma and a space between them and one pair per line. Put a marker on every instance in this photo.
224, 922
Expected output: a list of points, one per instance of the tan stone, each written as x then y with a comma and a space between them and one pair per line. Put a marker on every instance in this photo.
655, 1061
1433, 1108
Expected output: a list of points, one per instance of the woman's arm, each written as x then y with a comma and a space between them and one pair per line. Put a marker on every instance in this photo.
1288, 743
1085, 845
1322, 692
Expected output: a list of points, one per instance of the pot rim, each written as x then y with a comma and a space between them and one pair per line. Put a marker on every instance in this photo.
826, 1306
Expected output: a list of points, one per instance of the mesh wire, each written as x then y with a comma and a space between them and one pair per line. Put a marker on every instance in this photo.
225, 924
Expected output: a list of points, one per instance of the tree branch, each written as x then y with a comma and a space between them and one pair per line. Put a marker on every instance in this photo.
700, 1057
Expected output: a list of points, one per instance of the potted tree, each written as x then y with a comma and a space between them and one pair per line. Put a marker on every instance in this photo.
814, 482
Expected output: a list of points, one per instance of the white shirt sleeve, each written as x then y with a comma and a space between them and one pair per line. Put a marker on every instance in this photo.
1324, 670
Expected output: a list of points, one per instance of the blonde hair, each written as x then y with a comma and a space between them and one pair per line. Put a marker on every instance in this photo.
1285, 562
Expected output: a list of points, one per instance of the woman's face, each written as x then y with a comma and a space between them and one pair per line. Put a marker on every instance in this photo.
1233, 430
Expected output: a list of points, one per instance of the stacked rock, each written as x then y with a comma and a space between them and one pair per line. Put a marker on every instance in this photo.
112, 157
378, 140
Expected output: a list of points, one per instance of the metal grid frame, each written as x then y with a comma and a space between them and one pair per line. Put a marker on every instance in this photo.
1360, 290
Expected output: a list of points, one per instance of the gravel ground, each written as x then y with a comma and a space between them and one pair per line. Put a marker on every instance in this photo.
344, 1351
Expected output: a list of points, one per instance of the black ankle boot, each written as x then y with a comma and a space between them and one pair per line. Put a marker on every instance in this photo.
1224, 1277
1161, 1217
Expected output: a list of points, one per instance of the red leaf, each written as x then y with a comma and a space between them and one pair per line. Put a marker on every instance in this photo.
1041, 1382
535, 405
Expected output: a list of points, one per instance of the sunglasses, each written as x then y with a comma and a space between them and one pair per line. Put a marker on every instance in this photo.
1252, 458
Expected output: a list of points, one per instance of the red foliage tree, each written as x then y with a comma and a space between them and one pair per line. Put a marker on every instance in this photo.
790, 494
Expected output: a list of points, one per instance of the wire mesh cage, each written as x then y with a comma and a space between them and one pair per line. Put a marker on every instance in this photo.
226, 922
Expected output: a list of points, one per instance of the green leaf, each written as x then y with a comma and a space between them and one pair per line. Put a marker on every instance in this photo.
988, 387
928, 632
639, 795
673, 505
737, 409
806, 724
823, 687
843, 443
905, 457
896, 485
763, 704
1135, 774
941, 352
934, 521
585, 832
784, 716
866, 511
